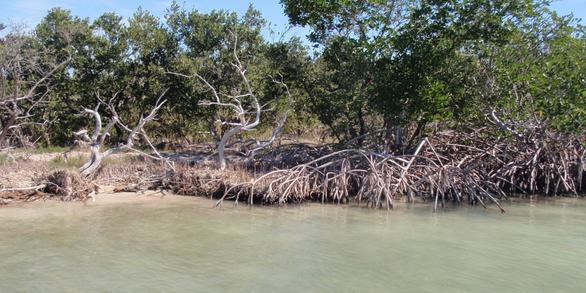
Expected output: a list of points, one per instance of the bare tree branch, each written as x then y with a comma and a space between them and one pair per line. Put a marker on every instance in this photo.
244, 107
97, 140
25, 85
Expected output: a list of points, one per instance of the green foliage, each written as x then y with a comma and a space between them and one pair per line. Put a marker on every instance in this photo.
392, 63
542, 72
339, 84
49, 150
132, 60
208, 44
5, 159
377, 64
76, 161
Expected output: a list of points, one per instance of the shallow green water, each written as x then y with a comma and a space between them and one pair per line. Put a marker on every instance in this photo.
186, 246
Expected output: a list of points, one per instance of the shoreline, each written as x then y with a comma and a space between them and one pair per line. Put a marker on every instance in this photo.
110, 198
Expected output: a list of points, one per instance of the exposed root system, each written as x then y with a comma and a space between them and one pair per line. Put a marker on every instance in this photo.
472, 167
61, 185
66, 185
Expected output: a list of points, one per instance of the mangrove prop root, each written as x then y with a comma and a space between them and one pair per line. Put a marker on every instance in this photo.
453, 166
474, 167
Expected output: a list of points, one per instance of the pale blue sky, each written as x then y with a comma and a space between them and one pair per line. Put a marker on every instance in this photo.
30, 12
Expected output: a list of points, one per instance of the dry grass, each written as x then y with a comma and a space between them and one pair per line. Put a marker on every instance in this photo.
69, 163
22, 173
61, 185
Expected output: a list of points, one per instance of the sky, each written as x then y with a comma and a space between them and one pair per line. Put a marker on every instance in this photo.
30, 12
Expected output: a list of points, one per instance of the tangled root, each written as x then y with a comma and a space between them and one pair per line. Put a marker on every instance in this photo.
67, 186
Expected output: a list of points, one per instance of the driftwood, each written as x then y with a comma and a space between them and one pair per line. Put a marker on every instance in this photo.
100, 133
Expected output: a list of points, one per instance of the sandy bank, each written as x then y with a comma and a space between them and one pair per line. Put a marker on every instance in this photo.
110, 198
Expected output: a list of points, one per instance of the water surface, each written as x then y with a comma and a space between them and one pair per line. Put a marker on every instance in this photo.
183, 245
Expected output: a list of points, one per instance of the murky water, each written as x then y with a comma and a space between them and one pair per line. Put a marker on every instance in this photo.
186, 246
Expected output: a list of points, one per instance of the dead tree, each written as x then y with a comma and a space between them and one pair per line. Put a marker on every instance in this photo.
25, 85
245, 110
259, 145
98, 138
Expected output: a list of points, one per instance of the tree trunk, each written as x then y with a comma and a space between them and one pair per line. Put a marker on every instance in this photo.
420, 126
362, 129
119, 133
9, 123
399, 137
89, 168
222, 145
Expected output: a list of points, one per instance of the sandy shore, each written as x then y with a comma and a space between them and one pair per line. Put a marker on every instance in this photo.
110, 198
